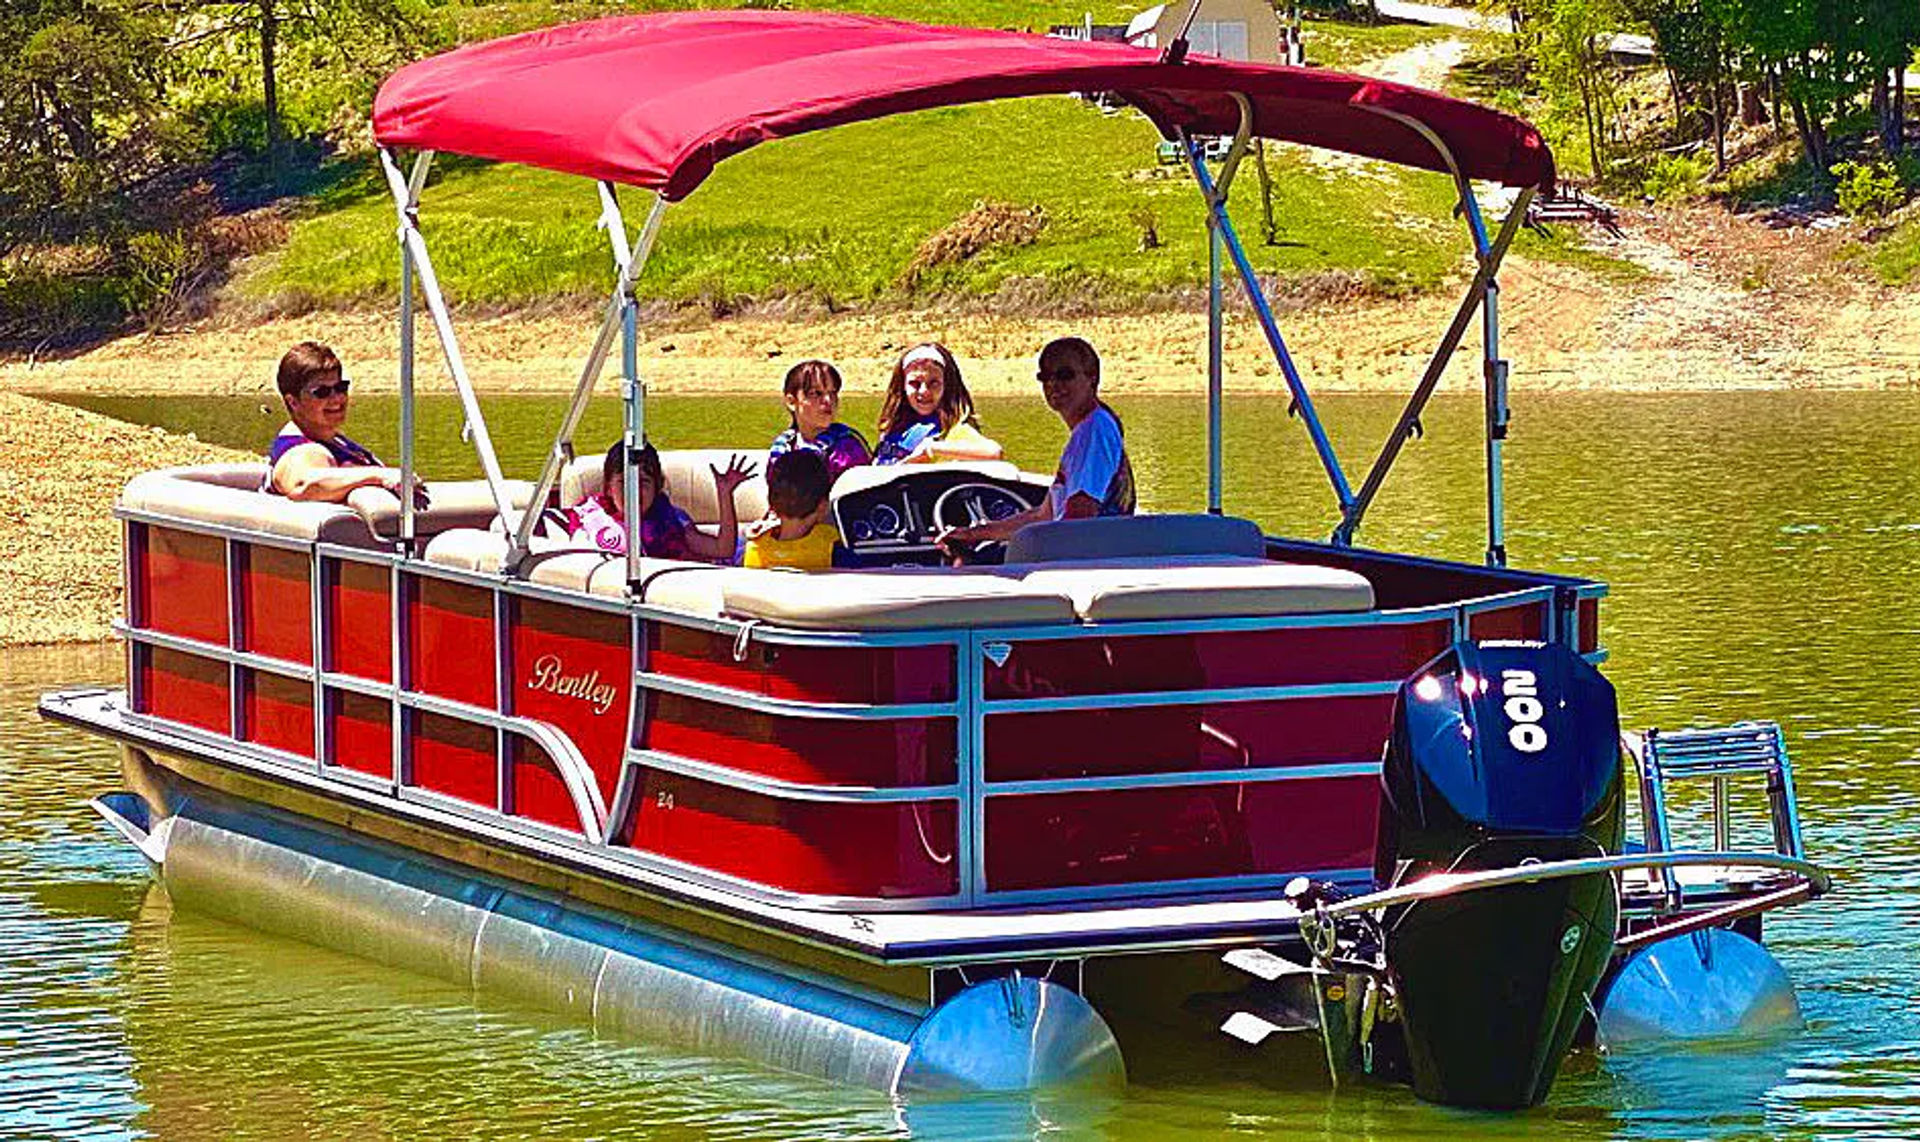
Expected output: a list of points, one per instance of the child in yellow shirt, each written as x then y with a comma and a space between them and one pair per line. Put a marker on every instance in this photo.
797, 486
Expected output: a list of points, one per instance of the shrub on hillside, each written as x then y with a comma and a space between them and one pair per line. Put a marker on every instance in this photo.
1675, 178
987, 225
1868, 189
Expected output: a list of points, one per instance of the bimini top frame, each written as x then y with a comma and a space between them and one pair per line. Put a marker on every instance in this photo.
700, 86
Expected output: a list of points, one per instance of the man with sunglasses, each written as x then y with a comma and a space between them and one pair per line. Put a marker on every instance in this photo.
311, 459
1094, 477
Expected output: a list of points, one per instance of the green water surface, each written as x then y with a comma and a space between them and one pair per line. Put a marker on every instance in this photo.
1763, 551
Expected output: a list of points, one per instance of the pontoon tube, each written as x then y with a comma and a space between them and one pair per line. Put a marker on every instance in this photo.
301, 879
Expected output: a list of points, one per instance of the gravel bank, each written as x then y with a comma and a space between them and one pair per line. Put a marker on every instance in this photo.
60, 470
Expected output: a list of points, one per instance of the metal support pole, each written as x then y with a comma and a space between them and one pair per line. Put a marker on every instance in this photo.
1436, 367
626, 268
1216, 367
449, 342
634, 392
1498, 417
1251, 283
1493, 373
1485, 292
410, 210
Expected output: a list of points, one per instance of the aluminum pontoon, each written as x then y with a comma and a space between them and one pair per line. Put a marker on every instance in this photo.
1151, 796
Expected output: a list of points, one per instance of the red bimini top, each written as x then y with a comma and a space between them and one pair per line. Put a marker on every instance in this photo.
655, 101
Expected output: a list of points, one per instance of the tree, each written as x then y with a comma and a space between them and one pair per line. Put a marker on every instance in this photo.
342, 45
80, 115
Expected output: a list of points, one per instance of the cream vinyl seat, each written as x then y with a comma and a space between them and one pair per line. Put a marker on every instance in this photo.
689, 473
229, 495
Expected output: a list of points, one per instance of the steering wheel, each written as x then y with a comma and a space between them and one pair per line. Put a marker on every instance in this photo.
964, 505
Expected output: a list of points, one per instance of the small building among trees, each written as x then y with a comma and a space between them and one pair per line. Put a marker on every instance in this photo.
1229, 29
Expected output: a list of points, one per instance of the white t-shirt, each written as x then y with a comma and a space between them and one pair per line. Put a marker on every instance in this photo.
1094, 453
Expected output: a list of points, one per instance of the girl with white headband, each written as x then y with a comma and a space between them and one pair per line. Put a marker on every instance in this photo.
927, 414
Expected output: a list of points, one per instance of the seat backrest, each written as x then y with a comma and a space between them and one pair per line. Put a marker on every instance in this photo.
1121, 537
229, 495
689, 473
450, 504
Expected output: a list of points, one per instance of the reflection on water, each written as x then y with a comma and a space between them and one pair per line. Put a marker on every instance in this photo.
1762, 551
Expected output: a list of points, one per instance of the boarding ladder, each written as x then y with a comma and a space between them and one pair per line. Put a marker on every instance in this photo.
1718, 755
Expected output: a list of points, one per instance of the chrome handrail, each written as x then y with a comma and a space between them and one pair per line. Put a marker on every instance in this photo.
1439, 884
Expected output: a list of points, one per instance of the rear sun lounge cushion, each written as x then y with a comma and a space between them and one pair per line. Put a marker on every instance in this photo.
894, 599
1222, 586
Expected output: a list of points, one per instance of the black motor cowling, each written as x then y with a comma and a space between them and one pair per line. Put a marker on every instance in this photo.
1502, 753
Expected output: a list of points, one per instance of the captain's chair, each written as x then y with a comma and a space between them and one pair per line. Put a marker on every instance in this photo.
1131, 536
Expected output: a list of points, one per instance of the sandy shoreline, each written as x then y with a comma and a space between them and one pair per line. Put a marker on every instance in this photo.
1563, 329
1686, 328
60, 470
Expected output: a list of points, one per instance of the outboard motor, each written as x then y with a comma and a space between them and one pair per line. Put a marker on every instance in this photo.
1502, 753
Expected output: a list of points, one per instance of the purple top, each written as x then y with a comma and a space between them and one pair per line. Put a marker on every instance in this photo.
842, 446
663, 529
345, 452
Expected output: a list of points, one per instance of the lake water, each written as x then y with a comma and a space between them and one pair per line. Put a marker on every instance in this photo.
1763, 551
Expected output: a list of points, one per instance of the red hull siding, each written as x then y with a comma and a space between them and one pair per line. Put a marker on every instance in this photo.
276, 605
1588, 639
186, 688
362, 732
1168, 739
572, 668
866, 675
455, 758
813, 847
450, 640
1087, 840
278, 712
537, 792
1384, 652
182, 583
360, 630
813, 751
1528, 621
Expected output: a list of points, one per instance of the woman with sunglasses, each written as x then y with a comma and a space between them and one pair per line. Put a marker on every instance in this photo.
1095, 478
311, 459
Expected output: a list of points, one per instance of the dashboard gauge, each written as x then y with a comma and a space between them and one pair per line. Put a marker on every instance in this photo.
1002, 507
862, 531
884, 520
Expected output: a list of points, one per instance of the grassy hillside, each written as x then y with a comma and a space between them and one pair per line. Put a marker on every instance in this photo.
836, 217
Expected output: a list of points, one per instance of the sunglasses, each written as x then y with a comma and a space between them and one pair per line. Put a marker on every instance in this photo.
1062, 374
322, 392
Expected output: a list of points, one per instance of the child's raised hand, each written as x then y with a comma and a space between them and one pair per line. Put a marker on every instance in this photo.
738, 471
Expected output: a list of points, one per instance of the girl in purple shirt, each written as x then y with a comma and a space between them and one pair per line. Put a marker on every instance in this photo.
812, 391
666, 532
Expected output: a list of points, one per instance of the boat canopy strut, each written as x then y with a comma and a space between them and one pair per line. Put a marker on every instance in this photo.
415, 260
1483, 294
1220, 224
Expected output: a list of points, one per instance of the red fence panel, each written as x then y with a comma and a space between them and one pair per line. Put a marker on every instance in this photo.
1113, 837
881, 849
276, 603
572, 667
278, 712
360, 619
450, 640
181, 580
